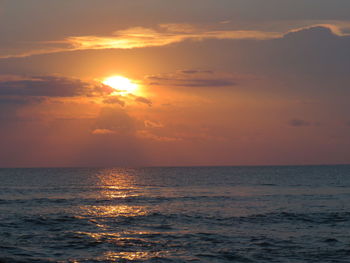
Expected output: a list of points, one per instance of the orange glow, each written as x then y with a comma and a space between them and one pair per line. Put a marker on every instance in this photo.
137, 255
115, 210
121, 84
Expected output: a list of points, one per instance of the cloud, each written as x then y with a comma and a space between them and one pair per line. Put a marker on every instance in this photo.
194, 71
163, 35
299, 123
179, 28
143, 100
115, 119
114, 100
21, 97
51, 86
327, 29
139, 37
102, 132
318, 56
153, 124
315, 33
143, 134
31, 90
193, 78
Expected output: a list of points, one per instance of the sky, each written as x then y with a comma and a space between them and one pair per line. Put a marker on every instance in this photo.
219, 82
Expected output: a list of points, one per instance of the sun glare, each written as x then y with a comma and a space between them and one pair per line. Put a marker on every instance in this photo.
121, 84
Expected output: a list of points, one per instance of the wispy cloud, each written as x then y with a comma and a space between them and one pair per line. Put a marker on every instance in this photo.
140, 37
102, 132
144, 134
163, 35
193, 78
299, 123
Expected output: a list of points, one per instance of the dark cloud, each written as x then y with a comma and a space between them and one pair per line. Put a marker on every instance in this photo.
189, 71
193, 78
311, 33
194, 71
153, 124
299, 123
143, 100
319, 51
195, 82
116, 120
51, 86
114, 100
20, 95
121, 100
206, 83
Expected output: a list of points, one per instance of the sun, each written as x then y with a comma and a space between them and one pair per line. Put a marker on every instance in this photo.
121, 84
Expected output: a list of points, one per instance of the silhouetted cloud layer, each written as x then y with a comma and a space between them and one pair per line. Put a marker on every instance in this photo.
51, 86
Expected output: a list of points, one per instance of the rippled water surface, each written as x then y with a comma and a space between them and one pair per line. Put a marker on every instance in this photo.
217, 214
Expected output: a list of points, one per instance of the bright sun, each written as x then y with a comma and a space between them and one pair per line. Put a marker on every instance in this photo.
121, 84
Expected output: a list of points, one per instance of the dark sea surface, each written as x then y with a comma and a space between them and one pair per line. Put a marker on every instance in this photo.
202, 214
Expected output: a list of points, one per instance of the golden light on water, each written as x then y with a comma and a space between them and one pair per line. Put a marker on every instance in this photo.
121, 84
115, 186
115, 211
131, 256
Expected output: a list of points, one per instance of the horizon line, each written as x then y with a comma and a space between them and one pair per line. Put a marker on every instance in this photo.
173, 166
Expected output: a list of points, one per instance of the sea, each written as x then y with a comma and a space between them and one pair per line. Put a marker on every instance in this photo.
174, 214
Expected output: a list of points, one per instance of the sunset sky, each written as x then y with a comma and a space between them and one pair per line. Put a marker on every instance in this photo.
200, 82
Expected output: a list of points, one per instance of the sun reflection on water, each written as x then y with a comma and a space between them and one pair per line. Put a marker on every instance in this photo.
115, 187
116, 201
115, 211
131, 255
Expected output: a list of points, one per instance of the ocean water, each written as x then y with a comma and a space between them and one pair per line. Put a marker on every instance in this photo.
199, 214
